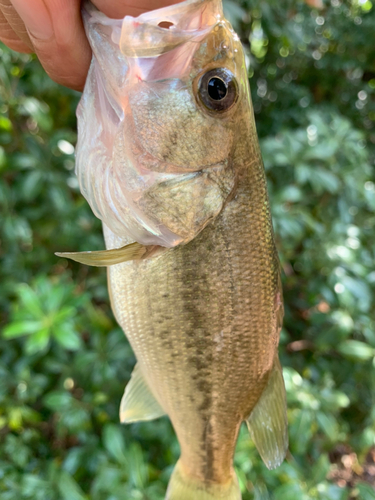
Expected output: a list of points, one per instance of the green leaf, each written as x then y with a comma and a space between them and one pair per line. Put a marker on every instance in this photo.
69, 489
325, 180
34, 487
30, 300
320, 470
113, 440
19, 328
301, 430
290, 491
64, 314
323, 151
328, 424
58, 400
291, 194
260, 492
67, 337
24, 161
55, 297
32, 185
366, 491
360, 290
5, 124
356, 350
137, 467
17, 451
37, 342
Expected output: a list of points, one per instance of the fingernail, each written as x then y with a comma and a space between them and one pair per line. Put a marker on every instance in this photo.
36, 17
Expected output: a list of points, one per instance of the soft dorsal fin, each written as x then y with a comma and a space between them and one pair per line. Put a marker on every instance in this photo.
104, 258
268, 424
138, 402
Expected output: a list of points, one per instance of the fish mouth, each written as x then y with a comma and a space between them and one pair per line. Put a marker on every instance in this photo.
156, 32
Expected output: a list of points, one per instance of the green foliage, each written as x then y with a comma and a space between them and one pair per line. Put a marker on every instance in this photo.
63, 360
47, 311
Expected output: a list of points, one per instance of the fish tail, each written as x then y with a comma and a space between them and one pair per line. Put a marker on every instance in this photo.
184, 487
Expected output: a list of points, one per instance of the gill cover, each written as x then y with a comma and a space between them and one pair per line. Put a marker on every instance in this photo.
153, 161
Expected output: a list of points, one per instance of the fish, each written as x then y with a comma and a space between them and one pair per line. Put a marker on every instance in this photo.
168, 158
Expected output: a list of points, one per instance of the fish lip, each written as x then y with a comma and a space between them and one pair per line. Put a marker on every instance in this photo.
182, 8
190, 21
127, 32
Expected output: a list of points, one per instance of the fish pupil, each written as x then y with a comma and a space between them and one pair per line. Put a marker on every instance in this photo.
217, 89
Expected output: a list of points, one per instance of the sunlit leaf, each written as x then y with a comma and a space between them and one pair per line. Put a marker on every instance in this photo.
30, 300
37, 341
67, 337
58, 400
19, 328
356, 350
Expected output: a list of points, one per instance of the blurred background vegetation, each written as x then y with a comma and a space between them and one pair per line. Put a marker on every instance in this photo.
63, 360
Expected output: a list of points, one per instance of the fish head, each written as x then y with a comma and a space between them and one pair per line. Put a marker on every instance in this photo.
175, 120
182, 103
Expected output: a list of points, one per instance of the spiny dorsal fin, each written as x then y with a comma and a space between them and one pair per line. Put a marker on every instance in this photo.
103, 258
138, 402
268, 424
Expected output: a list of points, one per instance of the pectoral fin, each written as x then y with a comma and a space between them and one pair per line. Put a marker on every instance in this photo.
138, 402
268, 423
103, 258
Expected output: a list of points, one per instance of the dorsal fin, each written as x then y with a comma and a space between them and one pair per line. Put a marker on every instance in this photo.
138, 402
267, 423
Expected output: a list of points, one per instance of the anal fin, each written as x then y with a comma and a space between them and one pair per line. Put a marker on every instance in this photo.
268, 424
138, 402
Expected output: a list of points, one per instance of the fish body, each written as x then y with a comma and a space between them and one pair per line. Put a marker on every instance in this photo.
166, 161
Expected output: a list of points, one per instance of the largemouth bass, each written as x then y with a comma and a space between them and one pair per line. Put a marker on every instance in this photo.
169, 160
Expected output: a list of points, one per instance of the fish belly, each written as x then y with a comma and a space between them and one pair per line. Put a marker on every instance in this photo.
202, 322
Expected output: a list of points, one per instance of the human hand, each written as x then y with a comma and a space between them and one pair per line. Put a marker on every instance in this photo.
53, 29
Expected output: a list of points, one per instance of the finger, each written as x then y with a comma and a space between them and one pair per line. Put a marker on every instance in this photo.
133, 8
56, 31
11, 22
9, 37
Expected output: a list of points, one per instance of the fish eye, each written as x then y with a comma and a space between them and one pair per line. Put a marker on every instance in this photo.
218, 89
